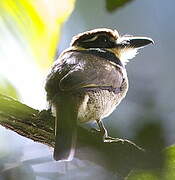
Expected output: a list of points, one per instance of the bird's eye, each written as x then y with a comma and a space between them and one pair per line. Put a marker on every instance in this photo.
103, 38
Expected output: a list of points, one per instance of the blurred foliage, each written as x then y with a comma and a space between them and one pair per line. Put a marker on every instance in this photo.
153, 163
12, 167
167, 173
7, 88
151, 137
38, 23
112, 5
142, 175
30, 31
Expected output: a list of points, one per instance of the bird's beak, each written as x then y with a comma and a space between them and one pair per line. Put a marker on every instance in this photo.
134, 42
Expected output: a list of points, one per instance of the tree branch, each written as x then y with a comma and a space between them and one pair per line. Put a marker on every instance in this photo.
39, 126
26, 121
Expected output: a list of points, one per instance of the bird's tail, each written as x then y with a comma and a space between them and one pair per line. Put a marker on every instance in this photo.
66, 130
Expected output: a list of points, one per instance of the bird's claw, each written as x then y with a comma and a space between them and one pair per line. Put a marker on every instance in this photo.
111, 139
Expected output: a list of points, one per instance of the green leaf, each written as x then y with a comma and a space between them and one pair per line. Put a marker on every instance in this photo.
112, 5
142, 175
166, 173
169, 172
7, 88
35, 25
29, 35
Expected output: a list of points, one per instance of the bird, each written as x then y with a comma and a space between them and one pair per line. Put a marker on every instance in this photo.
87, 82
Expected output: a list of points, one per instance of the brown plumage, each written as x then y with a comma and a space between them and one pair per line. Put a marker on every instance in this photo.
87, 82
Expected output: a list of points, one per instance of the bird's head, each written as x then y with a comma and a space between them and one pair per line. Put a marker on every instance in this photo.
124, 47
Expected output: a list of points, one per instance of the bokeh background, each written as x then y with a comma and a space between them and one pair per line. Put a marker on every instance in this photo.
33, 32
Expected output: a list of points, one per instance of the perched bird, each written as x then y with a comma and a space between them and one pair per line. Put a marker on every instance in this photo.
87, 82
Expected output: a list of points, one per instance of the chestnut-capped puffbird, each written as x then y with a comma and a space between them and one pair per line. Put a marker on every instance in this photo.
87, 82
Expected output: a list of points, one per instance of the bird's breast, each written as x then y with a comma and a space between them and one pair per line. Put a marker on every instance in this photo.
98, 104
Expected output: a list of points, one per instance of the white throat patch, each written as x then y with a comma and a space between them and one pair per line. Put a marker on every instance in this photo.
127, 53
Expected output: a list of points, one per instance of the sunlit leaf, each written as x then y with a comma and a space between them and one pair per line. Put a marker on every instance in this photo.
169, 173
112, 5
36, 23
29, 36
142, 175
7, 88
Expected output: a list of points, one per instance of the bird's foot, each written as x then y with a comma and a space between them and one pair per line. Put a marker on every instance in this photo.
104, 136
109, 139
96, 131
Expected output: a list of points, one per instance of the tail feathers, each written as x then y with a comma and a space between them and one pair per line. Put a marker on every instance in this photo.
66, 129
65, 144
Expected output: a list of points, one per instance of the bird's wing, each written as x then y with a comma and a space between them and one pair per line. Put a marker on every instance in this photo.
91, 75
78, 74
77, 79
